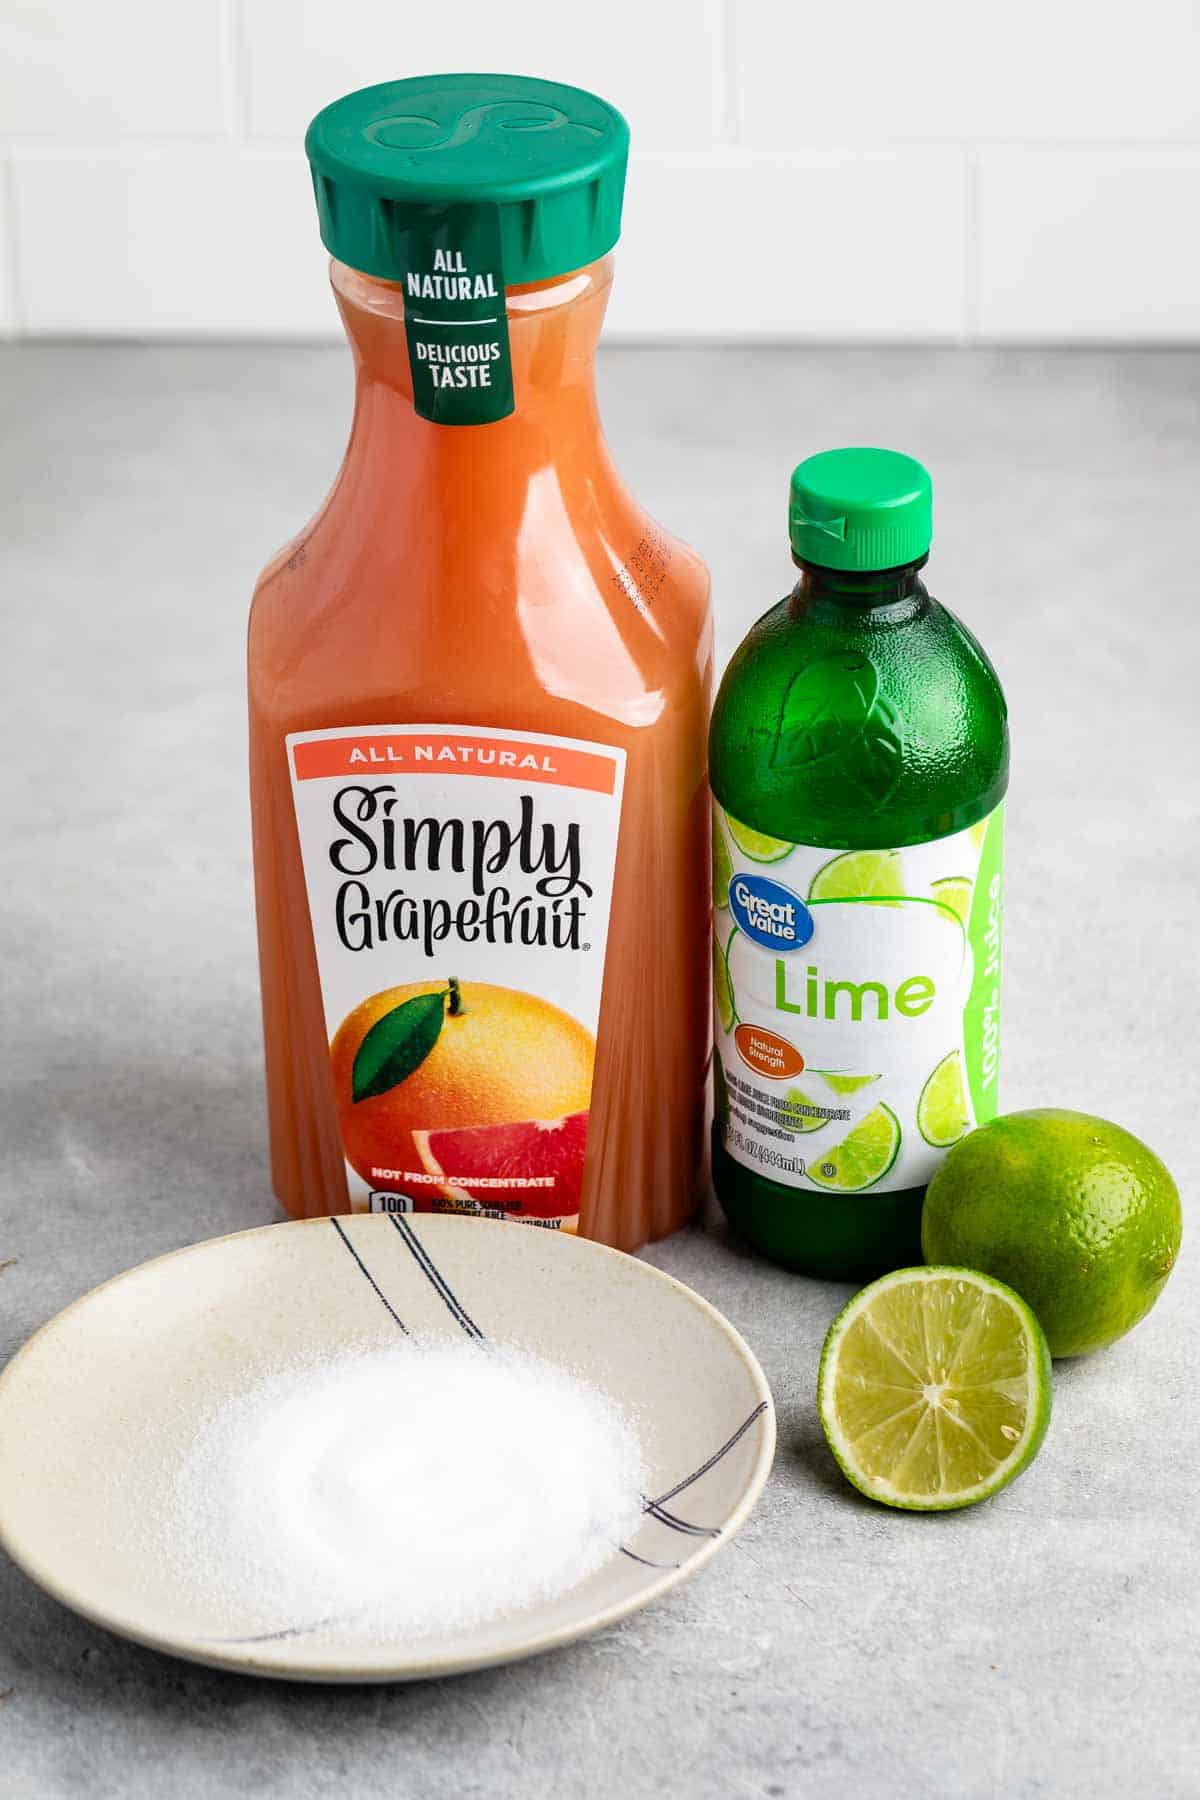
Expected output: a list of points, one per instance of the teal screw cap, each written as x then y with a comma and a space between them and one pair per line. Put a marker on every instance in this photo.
860, 509
544, 163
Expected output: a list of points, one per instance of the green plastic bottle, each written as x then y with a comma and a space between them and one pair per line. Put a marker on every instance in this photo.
859, 760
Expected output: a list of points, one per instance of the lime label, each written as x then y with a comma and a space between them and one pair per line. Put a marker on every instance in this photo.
857, 1003
455, 319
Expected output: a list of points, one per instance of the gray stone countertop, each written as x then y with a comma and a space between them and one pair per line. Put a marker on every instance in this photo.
1044, 1644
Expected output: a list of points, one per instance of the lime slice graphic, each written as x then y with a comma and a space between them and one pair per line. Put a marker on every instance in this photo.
857, 875
864, 1155
797, 1119
942, 1111
978, 831
955, 892
723, 987
934, 1388
722, 869
845, 1084
756, 844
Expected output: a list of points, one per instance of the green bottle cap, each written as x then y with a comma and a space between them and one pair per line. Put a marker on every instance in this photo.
458, 186
860, 509
551, 160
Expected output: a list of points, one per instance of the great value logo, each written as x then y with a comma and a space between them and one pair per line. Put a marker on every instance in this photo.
769, 913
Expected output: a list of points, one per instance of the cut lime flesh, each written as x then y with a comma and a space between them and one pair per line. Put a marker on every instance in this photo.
943, 1113
723, 987
934, 1388
954, 891
864, 1155
858, 875
845, 1084
757, 845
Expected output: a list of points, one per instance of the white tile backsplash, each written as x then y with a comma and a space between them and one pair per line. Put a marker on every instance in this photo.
92, 71
658, 60
963, 72
215, 239
1095, 247
868, 172
822, 244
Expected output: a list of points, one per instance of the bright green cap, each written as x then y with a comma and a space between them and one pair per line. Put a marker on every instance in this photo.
546, 162
860, 509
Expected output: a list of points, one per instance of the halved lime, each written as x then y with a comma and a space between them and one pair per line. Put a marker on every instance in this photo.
844, 1084
943, 1113
723, 986
864, 1155
722, 869
756, 844
801, 1112
857, 875
934, 1388
954, 891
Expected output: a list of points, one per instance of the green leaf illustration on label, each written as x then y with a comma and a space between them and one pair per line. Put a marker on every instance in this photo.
833, 710
397, 1044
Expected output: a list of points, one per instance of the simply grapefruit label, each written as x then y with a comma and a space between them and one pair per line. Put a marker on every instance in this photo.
459, 884
857, 1002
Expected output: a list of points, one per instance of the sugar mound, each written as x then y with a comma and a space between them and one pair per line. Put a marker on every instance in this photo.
405, 1490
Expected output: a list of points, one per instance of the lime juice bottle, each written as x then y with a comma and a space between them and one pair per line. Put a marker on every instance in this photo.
859, 758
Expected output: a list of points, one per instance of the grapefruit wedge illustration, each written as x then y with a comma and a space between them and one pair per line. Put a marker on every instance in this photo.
535, 1167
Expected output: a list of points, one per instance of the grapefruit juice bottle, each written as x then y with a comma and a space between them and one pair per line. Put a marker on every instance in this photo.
478, 689
859, 758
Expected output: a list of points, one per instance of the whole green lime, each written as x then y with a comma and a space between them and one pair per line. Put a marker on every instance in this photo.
1077, 1215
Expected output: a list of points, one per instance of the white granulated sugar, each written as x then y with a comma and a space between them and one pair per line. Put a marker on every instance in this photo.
406, 1490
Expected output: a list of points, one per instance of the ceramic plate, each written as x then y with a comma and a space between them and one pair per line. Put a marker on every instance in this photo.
128, 1372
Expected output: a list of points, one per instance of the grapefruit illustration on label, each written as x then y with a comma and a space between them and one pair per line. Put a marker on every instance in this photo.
440, 861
